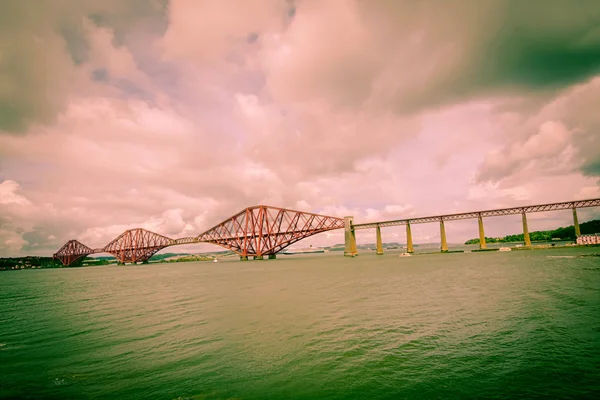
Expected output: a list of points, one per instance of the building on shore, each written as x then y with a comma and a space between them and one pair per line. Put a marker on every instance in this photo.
593, 238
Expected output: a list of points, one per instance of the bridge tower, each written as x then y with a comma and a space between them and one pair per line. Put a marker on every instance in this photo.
349, 238
409, 242
482, 243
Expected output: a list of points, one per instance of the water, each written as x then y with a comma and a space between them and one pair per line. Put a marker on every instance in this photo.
456, 326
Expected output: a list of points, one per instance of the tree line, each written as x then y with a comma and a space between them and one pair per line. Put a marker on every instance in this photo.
562, 233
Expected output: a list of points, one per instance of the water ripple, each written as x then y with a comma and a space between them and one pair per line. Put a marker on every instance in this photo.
466, 326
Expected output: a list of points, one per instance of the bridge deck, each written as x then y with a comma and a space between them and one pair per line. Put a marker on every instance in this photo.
487, 213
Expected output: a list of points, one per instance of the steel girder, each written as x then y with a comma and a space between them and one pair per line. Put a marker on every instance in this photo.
72, 252
488, 213
255, 231
136, 245
264, 230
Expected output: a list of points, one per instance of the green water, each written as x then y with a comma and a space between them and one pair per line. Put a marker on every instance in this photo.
512, 325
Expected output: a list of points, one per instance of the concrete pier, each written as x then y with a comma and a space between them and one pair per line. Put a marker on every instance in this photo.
379, 242
349, 238
243, 258
576, 223
526, 238
272, 256
482, 243
409, 243
259, 258
443, 236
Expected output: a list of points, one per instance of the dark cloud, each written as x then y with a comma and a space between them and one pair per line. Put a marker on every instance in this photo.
100, 74
43, 43
410, 56
31, 65
75, 41
591, 167
36, 240
252, 37
132, 17
508, 47
537, 45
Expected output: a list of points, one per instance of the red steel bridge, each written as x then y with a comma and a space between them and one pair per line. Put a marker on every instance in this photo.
261, 231
257, 232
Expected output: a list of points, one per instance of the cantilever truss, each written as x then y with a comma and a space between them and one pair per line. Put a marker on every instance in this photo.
265, 230
137, 245
72, 251
255, 231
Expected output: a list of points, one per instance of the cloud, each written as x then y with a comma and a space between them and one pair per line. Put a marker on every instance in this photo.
406, 56
174, 115
561, 136
9, 194
548, 150
226, 28
34, 59
314, 140
44, 50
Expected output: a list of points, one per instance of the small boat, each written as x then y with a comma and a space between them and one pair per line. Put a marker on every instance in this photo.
215, 260
504, 249
405, 255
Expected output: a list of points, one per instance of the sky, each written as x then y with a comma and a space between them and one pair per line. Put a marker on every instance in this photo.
174, 115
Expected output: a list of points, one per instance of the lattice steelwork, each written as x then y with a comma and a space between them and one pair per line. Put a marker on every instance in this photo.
72, 251
187, 240
137, 245
255, 231
264, 230
488, 213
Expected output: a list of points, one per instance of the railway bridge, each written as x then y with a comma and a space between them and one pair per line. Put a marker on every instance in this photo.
351, 228
263, 231
257, 232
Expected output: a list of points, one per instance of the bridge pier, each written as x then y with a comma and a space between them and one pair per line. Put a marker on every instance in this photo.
272, 256
379, 242
349, 238
443, 236
409, 242
259, 258
482, 243
526, 238
243, 258
576, 222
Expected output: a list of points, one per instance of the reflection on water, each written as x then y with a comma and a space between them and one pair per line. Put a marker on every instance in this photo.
520, 324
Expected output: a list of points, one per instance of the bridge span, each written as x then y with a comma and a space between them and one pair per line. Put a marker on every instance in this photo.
261, 231
350, 228
256, 232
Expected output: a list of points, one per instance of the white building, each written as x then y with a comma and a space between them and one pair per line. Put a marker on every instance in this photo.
589, 239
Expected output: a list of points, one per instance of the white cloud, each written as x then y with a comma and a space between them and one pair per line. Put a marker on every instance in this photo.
9, 194
548, 151
587, 192
492, 192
